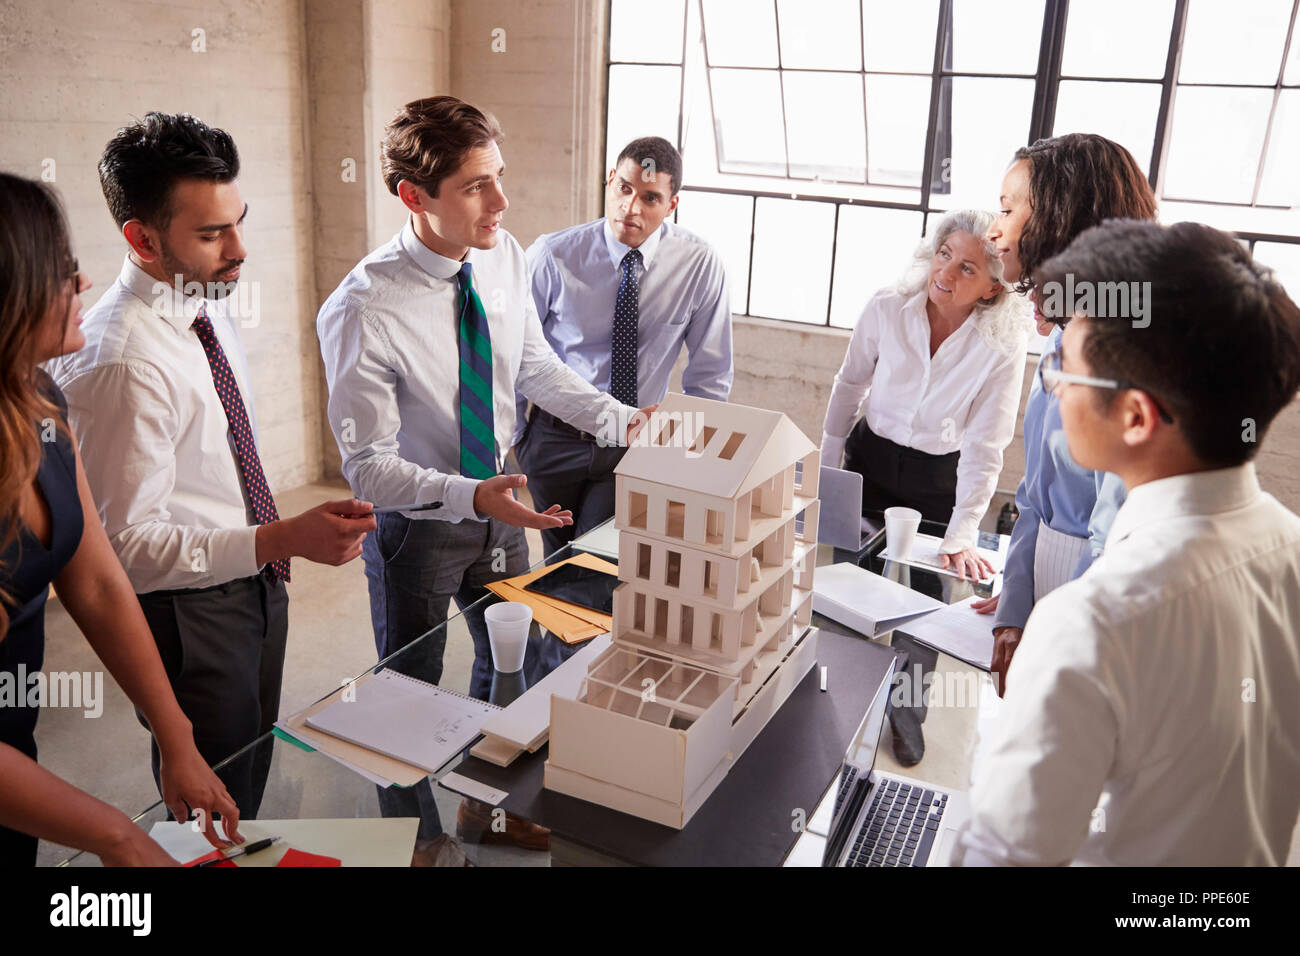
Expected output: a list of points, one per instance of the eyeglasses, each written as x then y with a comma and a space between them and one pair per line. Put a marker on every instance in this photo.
76, 271
1051, 378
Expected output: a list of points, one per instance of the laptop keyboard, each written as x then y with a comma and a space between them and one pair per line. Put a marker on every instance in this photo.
899, 827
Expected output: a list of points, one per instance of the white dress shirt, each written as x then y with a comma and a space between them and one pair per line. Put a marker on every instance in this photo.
682, 299
964, 398
1162, 688
388, 335
154, 437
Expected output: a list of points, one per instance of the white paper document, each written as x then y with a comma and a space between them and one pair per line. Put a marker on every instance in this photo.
865, 601
405, 718
957, 631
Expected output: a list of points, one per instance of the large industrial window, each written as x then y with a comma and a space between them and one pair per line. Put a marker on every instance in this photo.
849, 124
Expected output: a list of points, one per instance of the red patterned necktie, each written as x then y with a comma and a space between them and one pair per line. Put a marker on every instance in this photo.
250, 467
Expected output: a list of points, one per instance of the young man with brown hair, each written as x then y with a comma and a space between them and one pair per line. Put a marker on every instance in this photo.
425, 343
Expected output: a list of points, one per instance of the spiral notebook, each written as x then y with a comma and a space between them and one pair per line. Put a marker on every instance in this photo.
405, 718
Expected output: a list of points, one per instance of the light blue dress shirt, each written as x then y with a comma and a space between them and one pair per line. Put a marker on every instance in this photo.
684, 298
1056, 492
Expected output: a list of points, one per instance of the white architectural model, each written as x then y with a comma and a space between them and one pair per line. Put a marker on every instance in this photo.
717, 517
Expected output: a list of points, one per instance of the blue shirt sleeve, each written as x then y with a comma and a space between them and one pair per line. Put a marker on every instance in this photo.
1110, 495
543, 282
1017, 598
708, 371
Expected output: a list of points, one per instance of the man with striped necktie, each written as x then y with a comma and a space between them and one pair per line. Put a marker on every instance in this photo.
161, 403
425, 343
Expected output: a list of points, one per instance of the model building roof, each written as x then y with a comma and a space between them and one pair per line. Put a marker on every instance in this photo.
714, 448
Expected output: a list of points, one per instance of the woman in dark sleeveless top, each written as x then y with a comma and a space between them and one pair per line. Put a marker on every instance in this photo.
50, 534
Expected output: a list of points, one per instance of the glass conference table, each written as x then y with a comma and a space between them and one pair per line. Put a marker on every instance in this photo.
306, 785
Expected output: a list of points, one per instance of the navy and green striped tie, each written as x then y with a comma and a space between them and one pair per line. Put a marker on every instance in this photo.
477, 433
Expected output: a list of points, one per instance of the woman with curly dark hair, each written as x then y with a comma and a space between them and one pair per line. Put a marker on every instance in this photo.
1052, 192
50, 533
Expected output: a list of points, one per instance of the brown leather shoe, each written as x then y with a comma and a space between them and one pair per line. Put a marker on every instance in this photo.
475, 824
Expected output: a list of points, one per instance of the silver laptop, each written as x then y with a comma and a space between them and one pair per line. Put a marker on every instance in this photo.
840, 522
883, 819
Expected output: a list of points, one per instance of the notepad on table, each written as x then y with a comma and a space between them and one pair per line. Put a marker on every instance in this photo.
406, 719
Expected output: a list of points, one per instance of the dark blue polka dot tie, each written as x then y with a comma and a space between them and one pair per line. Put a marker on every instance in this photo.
622, 370
250, 467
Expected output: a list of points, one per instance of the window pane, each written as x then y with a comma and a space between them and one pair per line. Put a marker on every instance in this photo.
643, 101
739, 32
820, 34
635, 36
996, 36
872, 251
1279, 187
792, 259
990, 121
1292, 75
1117, 38
899, 37
1284, 259
1124, 112
824, 125
1217, 136
1234, 42
747, 121
898, 108
724, 221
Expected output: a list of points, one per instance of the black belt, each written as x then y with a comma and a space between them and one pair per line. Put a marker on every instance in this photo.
560, 425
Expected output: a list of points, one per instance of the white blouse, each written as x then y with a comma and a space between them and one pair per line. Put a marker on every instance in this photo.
964, 398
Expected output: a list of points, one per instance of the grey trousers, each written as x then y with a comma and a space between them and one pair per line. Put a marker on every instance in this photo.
223, 650
414, 569
572, 472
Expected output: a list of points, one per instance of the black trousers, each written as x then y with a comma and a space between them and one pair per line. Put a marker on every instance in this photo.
568, 470
894, 475
223, 650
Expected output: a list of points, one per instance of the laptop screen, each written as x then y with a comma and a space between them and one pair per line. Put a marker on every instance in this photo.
850, 786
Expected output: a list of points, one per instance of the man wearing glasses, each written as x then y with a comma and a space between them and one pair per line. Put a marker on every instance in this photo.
1155, 717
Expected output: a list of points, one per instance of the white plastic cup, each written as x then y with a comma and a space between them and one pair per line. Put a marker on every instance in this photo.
901, 525
507, 625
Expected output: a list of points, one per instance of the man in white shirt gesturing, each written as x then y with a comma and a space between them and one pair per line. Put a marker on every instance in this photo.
425, 343
1153, 709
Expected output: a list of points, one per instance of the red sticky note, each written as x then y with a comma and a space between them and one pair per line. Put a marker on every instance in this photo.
301, 858
215, 854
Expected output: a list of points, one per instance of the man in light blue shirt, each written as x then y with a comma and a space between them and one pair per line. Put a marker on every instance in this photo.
617, 299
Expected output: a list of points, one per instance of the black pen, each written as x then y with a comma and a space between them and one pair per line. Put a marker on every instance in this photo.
389, 509
242, 851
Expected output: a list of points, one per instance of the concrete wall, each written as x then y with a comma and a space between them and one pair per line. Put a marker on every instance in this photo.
539, 66
365, 58
74, 71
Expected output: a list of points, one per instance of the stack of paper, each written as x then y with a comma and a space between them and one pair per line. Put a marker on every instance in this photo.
957, 631
404, 718
865, 601
571, 623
